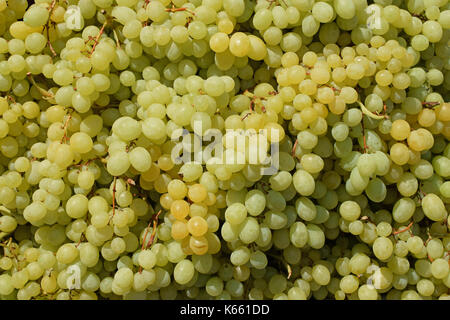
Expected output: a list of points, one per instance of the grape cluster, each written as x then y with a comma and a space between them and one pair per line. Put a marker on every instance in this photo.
94, 205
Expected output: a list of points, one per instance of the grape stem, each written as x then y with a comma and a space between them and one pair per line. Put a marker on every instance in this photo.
365, 147
65, 126
10, 98
188, 21
420, 16
45, 94
80, 165
255, 101
367, 218
280, 2
429, 237
114, 197
421, 193
131, 182
152, 237
246, 115
289, 270
430, 104
8, 244
97, 38
47, 28
265, 188
116, 37
369, 113
294, 147
307, 68
130, 146
79, 241
155, 223
283, 262
173, 9
331, 87
403, 230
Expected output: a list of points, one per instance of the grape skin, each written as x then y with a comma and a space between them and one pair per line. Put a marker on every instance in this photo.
357, 210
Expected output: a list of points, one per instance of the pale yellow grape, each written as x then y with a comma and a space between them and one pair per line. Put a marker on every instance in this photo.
77, 206
214, 86
6, 284
401, 81
444, 18
180, 209
349, 94
356, 227
400, 129
236, 213
140, 159
219, 42
262, 19
420, 139
63, 155
407, 185
257, 50
440, 268
89, 254
432, 30
320, 75
383, 248
349, 284
399, 153
86, 179
415, 244
36, 16
197, 226
147, 259
433, 207
316, 237
350, 210
312, 163
91, 125
239, 44
81, 142
303, 182
403, 210
235, 8
345, 9
123, 279
425, 287
177, 189
67, 253
419, 42
322, 11
34, 212
179, 230
355, 71
119, 104
35, 42
7, 224
118, 163
184, 271
383, 78
49, 283
156, 12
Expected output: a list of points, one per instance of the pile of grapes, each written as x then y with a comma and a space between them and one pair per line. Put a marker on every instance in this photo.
96, 204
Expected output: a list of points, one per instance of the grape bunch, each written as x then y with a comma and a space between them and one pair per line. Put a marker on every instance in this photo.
96, 204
